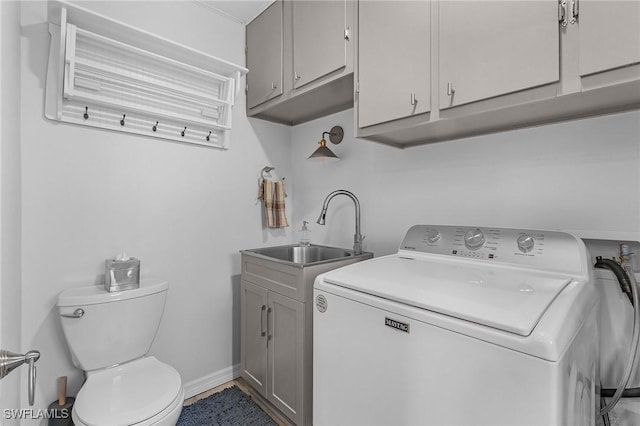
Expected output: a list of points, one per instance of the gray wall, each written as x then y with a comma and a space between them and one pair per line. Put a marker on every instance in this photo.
10, 221
582, 176
184, 210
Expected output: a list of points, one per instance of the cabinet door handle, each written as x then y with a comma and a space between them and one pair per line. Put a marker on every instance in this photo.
273, 86
297, 76
450, 89
413, 101
269, 331
562, 13
575, 10
262, 320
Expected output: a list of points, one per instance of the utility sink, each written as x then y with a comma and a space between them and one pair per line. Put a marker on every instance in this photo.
306, 255
276, 319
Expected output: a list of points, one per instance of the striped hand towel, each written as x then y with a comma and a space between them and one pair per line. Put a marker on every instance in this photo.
273, 195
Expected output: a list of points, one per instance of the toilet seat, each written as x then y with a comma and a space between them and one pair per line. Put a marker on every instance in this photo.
140, 392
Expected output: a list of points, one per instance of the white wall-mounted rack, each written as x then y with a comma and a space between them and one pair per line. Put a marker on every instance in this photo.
107, 74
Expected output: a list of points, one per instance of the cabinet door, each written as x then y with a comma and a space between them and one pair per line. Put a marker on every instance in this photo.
286, 351
319, 45
393, 60
253, 335
491, 48
264, 56
609, 35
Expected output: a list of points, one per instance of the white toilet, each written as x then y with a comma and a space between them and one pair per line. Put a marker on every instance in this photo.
109, 335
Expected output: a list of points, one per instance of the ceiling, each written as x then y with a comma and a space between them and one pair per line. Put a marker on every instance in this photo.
242, 11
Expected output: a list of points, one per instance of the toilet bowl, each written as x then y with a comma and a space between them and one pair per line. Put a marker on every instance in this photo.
109, 336
141, 392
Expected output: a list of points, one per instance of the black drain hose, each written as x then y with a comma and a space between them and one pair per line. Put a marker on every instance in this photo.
625, 286
627, 393
621, 275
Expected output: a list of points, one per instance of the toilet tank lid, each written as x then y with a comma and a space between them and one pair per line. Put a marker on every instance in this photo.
90, 295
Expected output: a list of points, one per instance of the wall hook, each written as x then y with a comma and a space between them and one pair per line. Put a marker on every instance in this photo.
86, 113
208, 136
185, 129
122, 121
155, 127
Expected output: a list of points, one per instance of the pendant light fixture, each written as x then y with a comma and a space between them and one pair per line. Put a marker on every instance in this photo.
323, 153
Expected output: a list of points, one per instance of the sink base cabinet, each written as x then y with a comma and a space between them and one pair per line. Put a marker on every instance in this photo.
276, 331
272, 349
253, 305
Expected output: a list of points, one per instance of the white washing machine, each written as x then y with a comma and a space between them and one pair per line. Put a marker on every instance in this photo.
463, 326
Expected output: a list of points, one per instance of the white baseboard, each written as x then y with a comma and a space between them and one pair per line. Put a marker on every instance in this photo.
210, 381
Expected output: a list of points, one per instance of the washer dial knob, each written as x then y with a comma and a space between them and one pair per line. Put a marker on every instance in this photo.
474, 239
526, 243
432, 235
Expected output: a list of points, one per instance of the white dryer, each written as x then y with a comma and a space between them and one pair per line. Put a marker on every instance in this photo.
463, 326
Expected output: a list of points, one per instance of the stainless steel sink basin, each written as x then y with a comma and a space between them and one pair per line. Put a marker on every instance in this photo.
305, 255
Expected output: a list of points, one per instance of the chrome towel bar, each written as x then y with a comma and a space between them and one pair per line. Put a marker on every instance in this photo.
9, 361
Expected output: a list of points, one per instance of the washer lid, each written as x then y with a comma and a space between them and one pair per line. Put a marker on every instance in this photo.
504, 298
127, 394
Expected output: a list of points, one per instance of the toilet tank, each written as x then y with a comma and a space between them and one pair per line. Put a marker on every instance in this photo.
104, 329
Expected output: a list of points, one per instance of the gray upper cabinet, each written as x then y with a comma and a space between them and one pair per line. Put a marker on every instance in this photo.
394, 57
609, 35
432, 70
491, 48
264, 56
320, 33
312, 55
494, 65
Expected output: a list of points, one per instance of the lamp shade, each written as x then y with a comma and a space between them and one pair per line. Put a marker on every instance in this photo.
323, 153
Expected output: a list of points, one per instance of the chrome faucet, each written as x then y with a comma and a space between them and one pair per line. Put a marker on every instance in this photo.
357, 238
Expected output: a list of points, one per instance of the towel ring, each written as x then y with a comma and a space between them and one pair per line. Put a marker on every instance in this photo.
267, 170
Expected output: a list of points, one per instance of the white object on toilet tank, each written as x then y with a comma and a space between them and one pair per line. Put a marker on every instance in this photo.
113, 328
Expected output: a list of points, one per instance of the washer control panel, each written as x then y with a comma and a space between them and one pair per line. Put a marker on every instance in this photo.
548, 249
